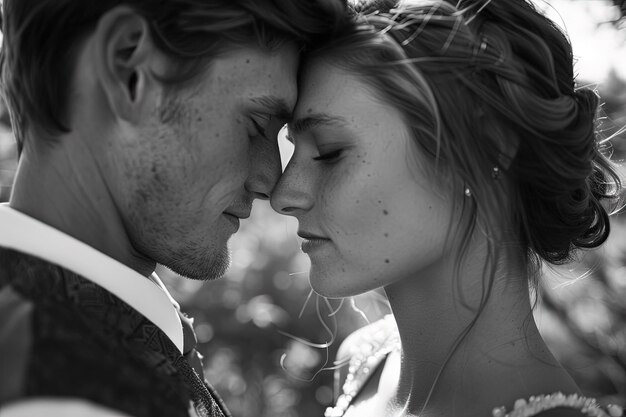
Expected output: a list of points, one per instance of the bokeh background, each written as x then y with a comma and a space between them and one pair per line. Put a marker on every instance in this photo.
264, 334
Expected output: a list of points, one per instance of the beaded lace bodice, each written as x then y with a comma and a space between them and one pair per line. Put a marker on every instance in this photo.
364, 359
382, 338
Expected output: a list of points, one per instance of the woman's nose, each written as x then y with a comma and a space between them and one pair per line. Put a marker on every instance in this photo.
293, 192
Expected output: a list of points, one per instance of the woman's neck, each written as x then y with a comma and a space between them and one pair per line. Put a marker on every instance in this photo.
453, 365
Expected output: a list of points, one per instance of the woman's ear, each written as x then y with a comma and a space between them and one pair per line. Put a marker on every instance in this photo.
123, 51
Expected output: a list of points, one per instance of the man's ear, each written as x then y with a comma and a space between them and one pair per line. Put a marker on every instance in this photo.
124, 51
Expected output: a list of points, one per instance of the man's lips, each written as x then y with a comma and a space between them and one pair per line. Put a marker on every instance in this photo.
233, 219
310, 236
243, 214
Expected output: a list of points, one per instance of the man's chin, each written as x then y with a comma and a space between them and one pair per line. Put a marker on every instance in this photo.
206, 269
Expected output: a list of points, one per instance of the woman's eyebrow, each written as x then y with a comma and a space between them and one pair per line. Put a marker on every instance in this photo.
304, 124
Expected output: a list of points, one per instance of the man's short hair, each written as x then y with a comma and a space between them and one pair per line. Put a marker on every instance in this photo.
41, 39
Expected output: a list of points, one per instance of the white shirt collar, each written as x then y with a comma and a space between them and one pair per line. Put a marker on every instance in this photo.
28, 235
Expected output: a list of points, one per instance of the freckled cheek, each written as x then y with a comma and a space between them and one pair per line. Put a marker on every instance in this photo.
217, 172
228, 145
349, 203
230, 174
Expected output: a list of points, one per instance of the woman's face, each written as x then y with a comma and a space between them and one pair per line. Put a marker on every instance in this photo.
368, 214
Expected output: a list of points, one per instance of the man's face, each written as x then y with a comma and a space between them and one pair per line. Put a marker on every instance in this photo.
195, 168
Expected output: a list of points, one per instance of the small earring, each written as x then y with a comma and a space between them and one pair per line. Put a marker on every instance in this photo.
468, 192
495, 173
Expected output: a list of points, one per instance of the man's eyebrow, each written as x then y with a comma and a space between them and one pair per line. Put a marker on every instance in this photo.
275, 106
307, 123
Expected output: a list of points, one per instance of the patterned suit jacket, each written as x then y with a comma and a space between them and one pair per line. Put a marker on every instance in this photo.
63, 336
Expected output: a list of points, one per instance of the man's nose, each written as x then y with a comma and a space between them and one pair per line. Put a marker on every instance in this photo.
265, 168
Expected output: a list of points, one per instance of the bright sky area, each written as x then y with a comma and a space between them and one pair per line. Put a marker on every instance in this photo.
598, 45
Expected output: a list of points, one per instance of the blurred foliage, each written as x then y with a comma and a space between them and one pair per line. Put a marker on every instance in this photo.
621, 4
582, 306
249, 322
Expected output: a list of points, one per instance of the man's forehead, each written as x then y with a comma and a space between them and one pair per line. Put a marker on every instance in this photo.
264, 79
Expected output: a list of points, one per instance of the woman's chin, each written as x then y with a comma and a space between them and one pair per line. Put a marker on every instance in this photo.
333, 286
324, 285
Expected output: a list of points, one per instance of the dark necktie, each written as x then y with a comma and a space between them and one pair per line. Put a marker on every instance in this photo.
193, 365
189, 345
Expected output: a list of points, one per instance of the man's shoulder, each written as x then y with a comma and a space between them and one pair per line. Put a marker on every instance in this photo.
63, 336
60, 408
15, 264
48, 350
15, 341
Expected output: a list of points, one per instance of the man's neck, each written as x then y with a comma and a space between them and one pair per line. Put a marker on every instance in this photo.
64, 189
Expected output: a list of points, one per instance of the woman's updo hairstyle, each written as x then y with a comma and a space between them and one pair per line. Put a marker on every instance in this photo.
487, 89
558, 174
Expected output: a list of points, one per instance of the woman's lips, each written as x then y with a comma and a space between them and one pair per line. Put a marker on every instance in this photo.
311, 244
